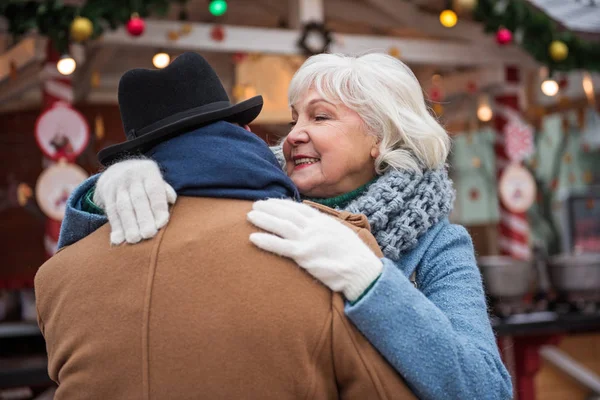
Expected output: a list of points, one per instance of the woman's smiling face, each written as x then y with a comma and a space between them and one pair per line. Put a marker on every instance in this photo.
328, 152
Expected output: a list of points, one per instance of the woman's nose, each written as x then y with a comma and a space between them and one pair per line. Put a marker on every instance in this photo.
297, 136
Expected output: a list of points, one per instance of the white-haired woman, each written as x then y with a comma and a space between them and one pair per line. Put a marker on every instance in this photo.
364, 141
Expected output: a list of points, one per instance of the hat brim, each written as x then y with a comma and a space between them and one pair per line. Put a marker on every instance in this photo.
242, 113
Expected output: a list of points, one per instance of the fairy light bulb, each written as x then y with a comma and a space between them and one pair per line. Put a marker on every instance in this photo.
550, 87
161, 60
66, 65
448, 18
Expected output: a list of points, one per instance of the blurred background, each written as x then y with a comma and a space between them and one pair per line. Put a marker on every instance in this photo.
515, 82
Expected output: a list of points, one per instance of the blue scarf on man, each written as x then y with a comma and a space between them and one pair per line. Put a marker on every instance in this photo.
217, 160
222, 160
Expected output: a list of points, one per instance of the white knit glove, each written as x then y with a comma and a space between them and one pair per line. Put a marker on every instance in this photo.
327, 249
135, 198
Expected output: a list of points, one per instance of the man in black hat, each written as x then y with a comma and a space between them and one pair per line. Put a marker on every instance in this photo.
198, 311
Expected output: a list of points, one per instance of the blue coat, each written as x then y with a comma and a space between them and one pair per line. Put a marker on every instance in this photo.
437, 336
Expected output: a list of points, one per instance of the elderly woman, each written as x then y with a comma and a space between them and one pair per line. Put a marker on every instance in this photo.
363, 140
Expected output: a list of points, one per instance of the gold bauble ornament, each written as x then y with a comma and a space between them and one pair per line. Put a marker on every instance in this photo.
173, 35
558, 50
438, 109
95, 80
186, 29
81, 29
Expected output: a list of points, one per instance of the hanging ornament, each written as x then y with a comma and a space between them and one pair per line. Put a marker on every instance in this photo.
217, 7
474, 194
172, 35
239, 57
186, 29
99, 131
81, 29
558, 50
13, 70
471, 87
438, 109
315, 38
435, 94
517, 188
503, 36
394, 52
465, 5
217, 33
95, 80
448, 18
62, 132
136, 25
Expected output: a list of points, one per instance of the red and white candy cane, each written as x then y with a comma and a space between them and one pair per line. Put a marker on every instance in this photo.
514, 227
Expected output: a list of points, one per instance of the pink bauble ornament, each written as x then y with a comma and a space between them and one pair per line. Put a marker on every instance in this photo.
504, 36
135, 26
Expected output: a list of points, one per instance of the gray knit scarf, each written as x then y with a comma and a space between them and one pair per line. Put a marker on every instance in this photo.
401, 206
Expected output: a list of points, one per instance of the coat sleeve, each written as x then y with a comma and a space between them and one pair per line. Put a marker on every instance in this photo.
439, 336
361, 372
78, 223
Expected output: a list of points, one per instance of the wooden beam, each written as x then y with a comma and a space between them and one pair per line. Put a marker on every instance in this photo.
29, 78
304, 11
284, 41
96, 58
28, 50
358, 13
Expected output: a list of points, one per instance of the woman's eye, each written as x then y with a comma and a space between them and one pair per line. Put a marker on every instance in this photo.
292, 123
321, 118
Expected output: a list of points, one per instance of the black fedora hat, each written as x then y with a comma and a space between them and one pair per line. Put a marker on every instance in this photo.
159, 104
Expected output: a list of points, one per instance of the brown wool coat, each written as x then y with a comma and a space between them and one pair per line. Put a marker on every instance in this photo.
198, 312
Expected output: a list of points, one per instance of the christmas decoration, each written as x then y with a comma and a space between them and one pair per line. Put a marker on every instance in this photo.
95, 79
549, 87
217, 7
54, 18
538, 32
394, 52
438, 109
66, 65
474, 194
186, 29
503, 36
517, 188
54, 186
136, 25
173, 35
161, 60
99, 125
558, 50
239, 57
435, 94
315, 38
518, 138
81, 29
217, 33
61, 132
448, 18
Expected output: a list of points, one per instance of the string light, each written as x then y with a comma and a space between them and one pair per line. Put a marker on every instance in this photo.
550, 87
161, 60
217, 7
66, 65
448, 18
484, 111
588, 86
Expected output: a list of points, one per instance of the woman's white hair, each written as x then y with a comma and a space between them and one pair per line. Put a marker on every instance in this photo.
387, 96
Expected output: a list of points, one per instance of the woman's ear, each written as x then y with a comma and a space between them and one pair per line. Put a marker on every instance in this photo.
247, 127
375, 148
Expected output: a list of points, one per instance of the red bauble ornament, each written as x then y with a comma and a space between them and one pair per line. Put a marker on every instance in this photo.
239, 57
217, 33
435, 94
471, 87
136, 25
504, 36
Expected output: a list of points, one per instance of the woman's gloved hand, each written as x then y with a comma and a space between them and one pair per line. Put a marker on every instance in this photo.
135, 198
323, 246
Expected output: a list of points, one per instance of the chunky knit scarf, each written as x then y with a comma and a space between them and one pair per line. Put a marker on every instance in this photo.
401, 206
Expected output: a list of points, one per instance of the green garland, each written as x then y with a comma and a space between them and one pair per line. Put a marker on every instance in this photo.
53, 19
538, 31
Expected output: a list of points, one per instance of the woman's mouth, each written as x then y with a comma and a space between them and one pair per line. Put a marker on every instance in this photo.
304, 162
